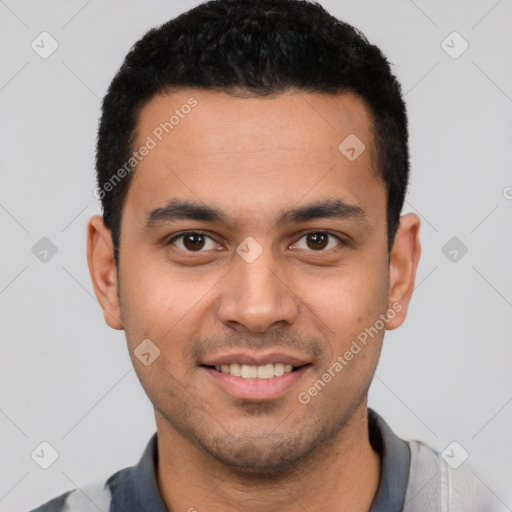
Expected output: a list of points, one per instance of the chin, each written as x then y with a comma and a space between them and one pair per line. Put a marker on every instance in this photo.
257, 457
266, 455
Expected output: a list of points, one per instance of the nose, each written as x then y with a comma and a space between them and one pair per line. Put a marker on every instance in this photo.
256, 296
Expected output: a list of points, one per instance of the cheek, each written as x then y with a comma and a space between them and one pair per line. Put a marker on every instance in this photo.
161, 303
158, 307
349, 308
350, 299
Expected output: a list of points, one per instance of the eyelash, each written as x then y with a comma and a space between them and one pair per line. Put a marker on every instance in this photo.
185, 233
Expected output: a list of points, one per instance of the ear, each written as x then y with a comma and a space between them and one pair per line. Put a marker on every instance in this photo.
405, 255
102, 268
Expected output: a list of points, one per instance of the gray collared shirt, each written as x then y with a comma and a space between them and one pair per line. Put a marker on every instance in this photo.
414, 478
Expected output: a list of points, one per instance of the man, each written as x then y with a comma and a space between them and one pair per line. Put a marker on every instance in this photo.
252, 165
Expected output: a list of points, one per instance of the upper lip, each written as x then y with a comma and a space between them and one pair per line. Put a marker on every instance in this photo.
254, 359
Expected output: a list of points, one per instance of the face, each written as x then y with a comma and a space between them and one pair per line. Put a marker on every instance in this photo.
251, 245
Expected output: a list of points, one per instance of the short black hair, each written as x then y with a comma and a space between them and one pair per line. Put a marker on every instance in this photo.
262, 47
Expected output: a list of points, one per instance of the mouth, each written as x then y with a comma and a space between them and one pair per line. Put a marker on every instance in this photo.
256, 378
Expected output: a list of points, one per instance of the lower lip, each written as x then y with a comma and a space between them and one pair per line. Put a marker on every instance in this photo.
257, 389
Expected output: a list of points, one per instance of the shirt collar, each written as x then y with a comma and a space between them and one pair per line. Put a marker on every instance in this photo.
136, 488
395, 459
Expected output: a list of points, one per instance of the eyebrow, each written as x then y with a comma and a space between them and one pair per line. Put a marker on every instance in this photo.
177, 209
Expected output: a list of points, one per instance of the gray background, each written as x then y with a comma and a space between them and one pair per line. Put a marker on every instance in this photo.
66, 378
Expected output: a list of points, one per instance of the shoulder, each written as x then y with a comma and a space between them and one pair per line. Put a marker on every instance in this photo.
127, 489
435, 485
90, 498
54, 505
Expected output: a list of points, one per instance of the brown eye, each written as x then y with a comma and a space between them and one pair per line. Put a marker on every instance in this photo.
192, 241
317, 240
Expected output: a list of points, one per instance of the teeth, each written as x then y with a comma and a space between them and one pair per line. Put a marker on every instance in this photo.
246, 371
266, 372
249, 372
279, 369
235, 369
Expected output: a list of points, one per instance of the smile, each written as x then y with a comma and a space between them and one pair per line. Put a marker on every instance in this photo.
257, 383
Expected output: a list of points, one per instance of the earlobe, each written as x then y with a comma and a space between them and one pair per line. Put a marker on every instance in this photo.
102, 268
405, 255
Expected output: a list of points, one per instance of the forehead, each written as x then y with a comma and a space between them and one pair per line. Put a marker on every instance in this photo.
249, 154
305, 121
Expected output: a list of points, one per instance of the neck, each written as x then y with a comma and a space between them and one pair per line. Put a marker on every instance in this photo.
342, 475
